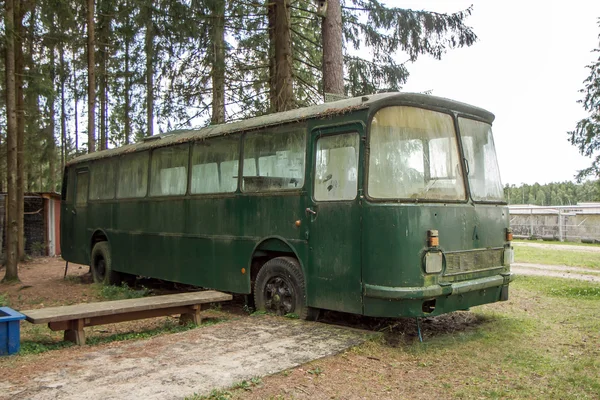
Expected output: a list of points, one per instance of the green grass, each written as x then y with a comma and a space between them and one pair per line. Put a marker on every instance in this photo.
537, 255
557, 287
4, 301
40, 339
221, 394
110, 292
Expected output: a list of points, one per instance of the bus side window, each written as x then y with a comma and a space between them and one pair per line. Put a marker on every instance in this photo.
215, 165
169, 171
83, 180
280, 163
133, 175
336, 172
102, 180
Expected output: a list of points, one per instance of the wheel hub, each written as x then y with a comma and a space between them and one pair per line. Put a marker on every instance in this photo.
279, 296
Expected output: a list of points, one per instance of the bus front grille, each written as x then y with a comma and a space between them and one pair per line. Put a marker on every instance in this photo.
461, 262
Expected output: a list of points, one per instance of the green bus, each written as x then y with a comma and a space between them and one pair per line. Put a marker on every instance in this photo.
388, 205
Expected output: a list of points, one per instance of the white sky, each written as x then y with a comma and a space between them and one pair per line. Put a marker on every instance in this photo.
527, 68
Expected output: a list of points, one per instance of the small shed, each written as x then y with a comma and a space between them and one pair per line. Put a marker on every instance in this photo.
41, 223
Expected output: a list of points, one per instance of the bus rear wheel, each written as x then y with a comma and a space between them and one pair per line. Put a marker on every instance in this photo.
280, 289
101, 263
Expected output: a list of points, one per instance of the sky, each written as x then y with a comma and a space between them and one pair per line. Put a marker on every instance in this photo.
527, 68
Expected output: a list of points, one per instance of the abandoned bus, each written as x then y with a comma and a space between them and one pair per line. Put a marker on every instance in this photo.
386, 205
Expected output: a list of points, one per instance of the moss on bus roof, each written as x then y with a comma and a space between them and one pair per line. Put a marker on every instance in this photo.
320, 111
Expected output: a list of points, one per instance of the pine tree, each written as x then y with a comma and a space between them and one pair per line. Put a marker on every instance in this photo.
11, 141
91, 49
586, 135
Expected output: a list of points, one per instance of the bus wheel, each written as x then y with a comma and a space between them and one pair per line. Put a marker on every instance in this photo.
280, 289
102, 271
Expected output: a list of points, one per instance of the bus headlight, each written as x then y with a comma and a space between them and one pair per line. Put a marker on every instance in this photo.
434, 262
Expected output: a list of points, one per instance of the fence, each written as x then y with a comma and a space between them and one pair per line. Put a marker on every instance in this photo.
555, 224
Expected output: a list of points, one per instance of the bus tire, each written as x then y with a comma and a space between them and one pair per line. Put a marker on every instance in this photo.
101, 263
280, 289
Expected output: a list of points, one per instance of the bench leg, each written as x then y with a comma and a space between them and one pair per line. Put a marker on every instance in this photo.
75, 332
193, 316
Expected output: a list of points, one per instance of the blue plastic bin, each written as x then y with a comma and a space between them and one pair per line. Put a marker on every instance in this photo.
10, 333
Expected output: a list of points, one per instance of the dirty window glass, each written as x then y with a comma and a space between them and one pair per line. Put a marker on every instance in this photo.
414, 155
336, 172
102, 180
169, 171
215, 165
483, 172
274, 161
81, 191
133, 175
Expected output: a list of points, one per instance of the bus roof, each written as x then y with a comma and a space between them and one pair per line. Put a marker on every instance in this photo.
301, 114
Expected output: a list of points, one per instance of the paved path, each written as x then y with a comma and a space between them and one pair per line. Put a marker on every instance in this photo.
179, 365
568, 247
557, 271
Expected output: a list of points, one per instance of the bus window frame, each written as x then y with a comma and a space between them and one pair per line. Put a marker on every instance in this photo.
188, 176
478, 119
118, 173
78, 171
93, 165
239, 157
384, 104
279, 130
319, 132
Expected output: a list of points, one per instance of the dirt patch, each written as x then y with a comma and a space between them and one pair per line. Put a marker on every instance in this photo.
178, 365
42, 285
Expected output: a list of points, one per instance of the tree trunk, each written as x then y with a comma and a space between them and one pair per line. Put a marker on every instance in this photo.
272, 63
12, 228
218, 70
333, 58
127, 104
63, 113
91, 78
149, 49
31, 94
50, 144
20, 103
284, 92
102, 78
76, 105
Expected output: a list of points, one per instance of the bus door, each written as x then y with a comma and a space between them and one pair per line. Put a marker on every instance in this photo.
78, 240
334, 219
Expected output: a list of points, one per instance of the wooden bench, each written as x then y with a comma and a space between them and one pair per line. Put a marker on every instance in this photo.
72, 319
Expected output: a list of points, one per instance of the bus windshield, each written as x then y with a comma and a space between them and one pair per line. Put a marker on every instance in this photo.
414, 155
483, 171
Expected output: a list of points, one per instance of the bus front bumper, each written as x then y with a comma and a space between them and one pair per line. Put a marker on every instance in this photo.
442, 289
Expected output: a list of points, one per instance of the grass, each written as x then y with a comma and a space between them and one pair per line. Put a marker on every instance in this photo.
221, 394
557, 257
39, 339
4, 301
110, 292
